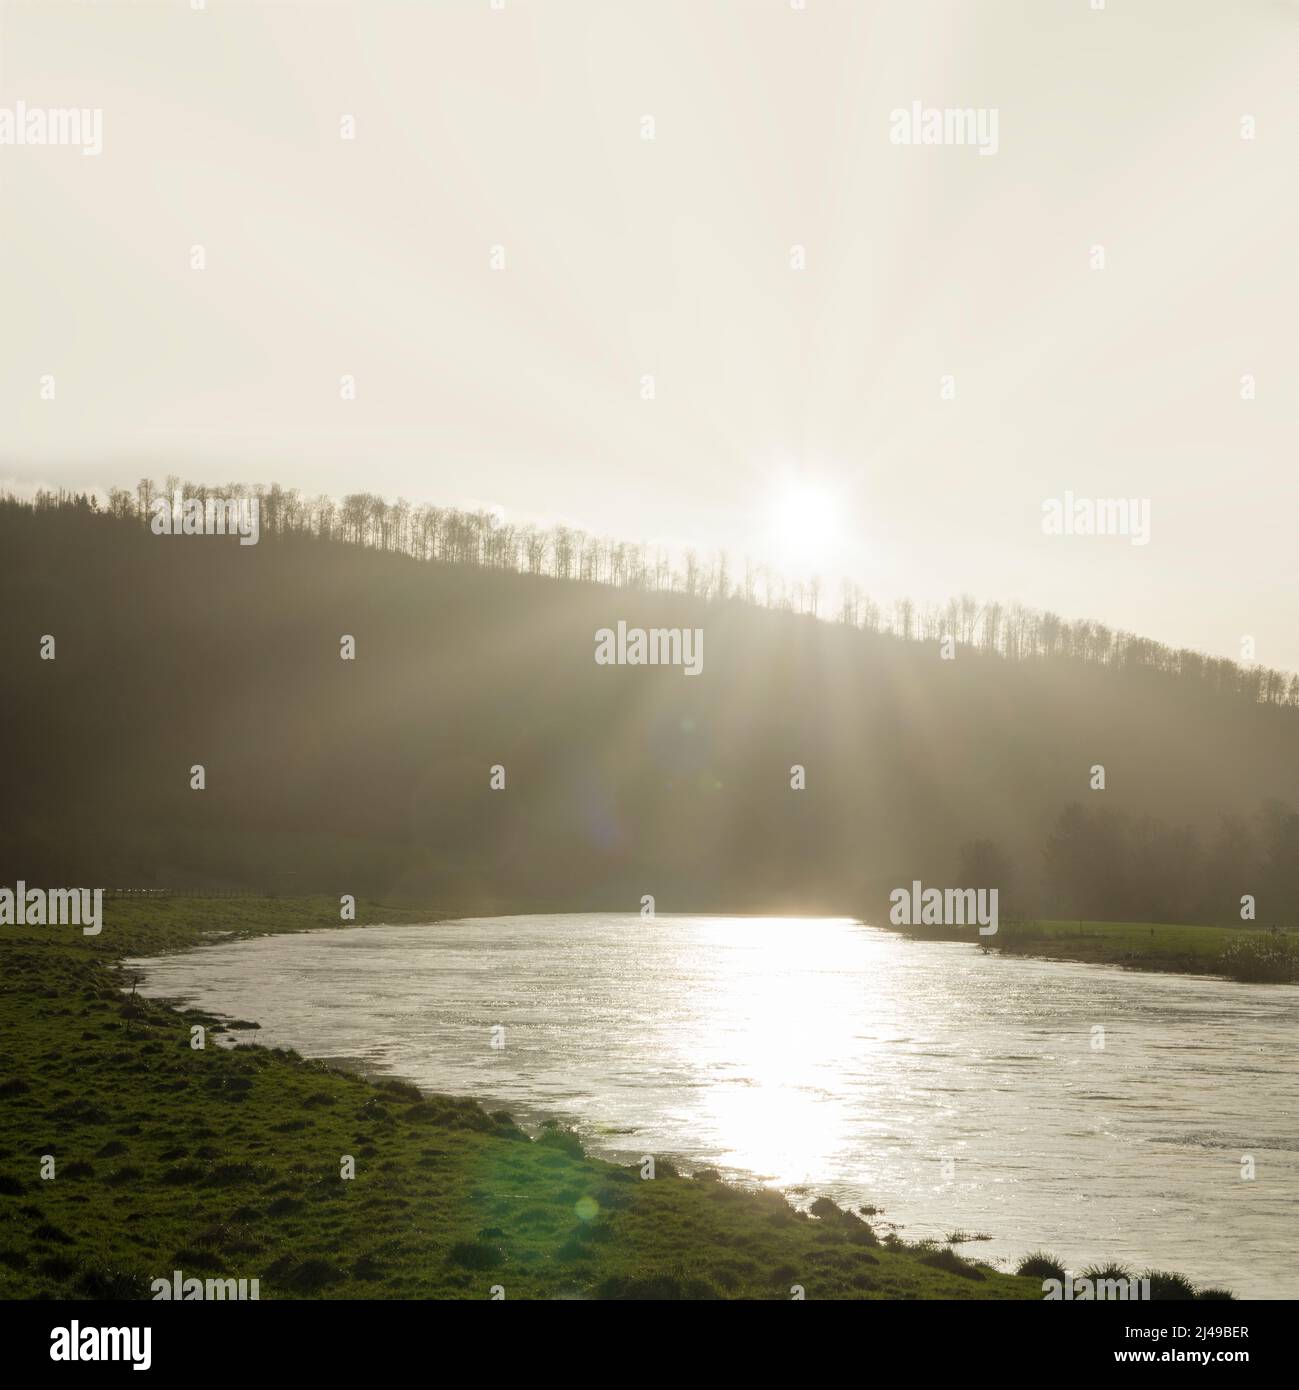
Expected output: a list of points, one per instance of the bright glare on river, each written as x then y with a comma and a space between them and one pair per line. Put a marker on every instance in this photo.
821, 1056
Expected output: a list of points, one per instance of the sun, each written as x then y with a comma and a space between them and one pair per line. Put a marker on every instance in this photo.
804, 523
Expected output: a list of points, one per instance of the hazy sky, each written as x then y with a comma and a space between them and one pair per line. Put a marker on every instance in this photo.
813, 394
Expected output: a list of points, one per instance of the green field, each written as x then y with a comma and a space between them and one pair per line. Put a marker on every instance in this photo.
1136, 945
226, 1163
1194, 950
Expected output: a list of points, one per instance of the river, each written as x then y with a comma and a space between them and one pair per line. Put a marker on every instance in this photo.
1093, 1112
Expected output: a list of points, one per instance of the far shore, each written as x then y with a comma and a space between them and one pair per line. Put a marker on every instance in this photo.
1165, 947
1182, 950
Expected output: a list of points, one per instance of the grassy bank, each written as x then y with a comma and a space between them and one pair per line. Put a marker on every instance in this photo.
226, 1163
1183, 950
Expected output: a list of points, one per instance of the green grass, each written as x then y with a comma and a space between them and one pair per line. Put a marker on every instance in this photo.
226, 1163
1138, 945
1193, 950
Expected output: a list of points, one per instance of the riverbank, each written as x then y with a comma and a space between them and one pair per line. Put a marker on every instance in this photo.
1179, 950
228, 1163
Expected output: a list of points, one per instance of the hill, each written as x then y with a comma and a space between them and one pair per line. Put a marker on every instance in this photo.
373, 775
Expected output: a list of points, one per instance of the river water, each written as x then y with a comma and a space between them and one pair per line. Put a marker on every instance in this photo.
951, 1089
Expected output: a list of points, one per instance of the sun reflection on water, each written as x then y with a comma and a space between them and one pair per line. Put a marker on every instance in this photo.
771, 1032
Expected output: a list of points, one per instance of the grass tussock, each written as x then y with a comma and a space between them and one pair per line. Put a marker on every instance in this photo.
1262, 958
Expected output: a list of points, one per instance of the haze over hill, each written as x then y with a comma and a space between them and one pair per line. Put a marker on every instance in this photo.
373, 775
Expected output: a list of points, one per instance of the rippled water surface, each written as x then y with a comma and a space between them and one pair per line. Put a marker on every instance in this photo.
952, 1089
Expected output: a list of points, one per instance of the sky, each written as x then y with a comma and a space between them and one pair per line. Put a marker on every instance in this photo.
950, 356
